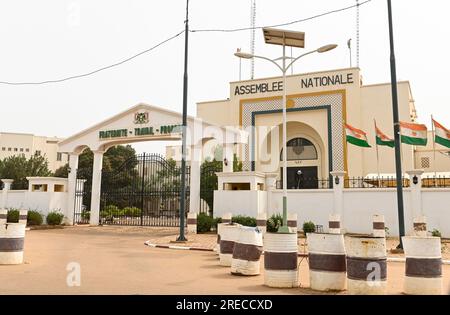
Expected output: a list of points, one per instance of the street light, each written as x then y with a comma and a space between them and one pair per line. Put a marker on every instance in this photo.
290, 39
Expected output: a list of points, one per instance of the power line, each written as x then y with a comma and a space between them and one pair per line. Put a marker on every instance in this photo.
97, 70
231, 30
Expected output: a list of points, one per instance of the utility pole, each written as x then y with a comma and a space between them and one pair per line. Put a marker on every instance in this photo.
181, 237
398, 157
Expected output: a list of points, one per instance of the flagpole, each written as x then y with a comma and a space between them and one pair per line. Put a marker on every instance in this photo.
378, 159
434, 151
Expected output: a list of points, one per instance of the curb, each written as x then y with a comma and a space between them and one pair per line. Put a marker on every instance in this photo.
389, 259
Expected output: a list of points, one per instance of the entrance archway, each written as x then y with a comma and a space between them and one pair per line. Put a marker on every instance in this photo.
137, 124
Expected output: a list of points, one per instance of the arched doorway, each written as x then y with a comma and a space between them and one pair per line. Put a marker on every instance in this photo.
303, 164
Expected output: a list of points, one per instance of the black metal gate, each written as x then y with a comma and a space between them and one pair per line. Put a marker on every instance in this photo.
145, 190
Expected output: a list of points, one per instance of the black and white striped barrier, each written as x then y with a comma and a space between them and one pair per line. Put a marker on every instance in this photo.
12, 238
247, 252
420, 226
423, 268
3, 216
378, 226
261, 222
292, 222
228, 236
327, 267
281, 260
334, 224
23, 216
366, 265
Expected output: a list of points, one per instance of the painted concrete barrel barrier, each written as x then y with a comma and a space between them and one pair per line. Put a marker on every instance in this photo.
292, 222
247, 252
281, 260
229, 234
423, 268
23, 216
378, 226
192, 222
261, 222
12, 238
366, 265
420, 226
327, 266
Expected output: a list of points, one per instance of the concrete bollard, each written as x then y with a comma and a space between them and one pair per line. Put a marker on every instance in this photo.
366, 265
23, 216
247, 252
228, 236
327, 267
192, 223
423, 269
292, 222
12, 237
334, 224
281, 260
378, 226
420, 226
261, 222
3, 216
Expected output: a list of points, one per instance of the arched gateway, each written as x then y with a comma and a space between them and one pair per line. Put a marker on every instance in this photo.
144, 123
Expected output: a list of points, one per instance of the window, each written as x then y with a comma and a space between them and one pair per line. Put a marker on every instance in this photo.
21, 149
300, 149
59, 156
9, 149
27, 150
15, 149
3, 149
37, 153
425, 162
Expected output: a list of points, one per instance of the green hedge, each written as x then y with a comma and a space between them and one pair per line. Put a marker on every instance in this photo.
205, 223
244, 220
309, 227
33, 217
54, 218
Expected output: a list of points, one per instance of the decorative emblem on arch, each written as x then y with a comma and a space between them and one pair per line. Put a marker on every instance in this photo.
141, 118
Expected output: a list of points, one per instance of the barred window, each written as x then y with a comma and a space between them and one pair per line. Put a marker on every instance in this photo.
425, 162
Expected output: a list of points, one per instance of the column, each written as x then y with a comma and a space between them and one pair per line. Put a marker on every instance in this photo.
228, 157
71, 187
419, 220
194, 189
335, 225
96, 188
8, 183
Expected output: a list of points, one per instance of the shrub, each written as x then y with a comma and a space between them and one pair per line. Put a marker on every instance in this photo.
86, 215
436, 233
204, 223
55, 218
245, 221
274, 223
34, 218
113, 211
131, 212
13, 216
309, 227
216, 221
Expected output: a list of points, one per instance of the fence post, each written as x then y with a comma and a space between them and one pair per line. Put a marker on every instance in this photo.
337, 215
419, 220
6, 189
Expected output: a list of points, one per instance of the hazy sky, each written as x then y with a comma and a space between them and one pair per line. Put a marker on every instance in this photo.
51, 39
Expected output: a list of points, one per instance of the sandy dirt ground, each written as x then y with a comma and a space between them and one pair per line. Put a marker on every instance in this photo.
114, 260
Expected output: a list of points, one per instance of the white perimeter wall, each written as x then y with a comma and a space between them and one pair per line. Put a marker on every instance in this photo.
359, 207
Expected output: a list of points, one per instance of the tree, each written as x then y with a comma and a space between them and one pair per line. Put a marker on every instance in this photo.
18, 168
62, 172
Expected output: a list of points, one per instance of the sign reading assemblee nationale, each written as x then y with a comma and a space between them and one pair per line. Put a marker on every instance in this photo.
305, 83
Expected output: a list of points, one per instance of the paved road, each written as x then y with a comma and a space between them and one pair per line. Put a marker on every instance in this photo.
115, 261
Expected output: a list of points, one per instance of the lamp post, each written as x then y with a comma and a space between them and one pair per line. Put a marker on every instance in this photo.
290, 39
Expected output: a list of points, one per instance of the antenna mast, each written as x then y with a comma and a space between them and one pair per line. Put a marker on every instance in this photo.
357, 33
252, 35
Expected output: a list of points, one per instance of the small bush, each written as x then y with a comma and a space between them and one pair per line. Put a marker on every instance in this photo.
34, 218
55, 218
13, 216
245, 221
204, 223
436, 233
309, 227
216, 222
86, 215
131, 212
274, 223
